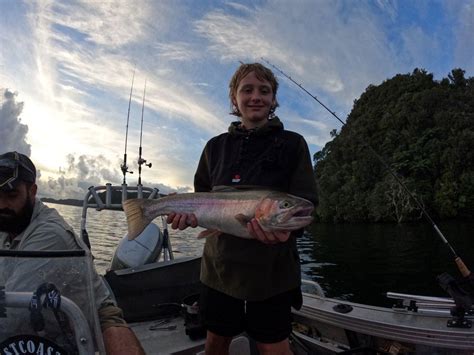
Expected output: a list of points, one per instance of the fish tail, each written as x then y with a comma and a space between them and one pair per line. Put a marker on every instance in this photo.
136, 219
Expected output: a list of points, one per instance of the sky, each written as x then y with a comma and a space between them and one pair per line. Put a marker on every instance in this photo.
66, 70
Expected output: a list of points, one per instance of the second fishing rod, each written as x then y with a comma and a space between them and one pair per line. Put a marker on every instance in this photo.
141, 161
460, 264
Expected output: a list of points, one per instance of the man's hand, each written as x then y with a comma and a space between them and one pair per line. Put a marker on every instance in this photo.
181, 221
258, 233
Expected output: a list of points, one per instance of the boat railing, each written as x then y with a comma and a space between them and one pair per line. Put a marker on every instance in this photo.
424, 304
82, 332
417, 298
105, 198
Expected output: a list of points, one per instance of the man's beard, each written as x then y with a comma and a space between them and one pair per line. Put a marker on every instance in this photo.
16, 223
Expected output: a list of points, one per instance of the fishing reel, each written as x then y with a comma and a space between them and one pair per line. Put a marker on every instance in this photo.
462, 293
143, 161
125, 170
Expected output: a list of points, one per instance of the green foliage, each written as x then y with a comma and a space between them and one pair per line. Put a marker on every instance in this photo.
423, 129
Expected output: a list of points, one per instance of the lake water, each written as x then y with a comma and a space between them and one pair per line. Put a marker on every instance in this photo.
356, 262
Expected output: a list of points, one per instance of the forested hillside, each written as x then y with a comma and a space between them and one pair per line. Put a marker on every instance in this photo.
424, 130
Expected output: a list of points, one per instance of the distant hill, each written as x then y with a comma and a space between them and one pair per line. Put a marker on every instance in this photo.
116, 198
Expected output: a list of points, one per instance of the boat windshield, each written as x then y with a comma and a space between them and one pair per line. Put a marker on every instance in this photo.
47, 303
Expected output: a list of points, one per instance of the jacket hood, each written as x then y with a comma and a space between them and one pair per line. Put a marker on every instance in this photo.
272, 125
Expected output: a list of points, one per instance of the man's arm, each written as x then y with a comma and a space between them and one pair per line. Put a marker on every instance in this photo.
121, 341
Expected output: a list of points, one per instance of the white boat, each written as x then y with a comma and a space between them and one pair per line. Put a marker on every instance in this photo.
160, 299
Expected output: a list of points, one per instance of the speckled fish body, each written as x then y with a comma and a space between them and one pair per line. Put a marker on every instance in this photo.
225, 212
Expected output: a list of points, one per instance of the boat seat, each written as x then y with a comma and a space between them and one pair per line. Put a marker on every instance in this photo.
239, 346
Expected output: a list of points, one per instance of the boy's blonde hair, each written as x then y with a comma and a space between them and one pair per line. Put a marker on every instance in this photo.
261, 72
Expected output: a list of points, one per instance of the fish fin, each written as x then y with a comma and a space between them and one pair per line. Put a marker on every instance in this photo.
243, 219
136, 219
209, 233
223, 188
237, 188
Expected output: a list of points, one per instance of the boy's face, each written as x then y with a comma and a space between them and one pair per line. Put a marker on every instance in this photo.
254, 98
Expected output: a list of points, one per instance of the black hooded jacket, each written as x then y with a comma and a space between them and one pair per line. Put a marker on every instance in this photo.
268, 157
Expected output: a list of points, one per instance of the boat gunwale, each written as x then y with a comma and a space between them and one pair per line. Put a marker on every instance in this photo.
457, 338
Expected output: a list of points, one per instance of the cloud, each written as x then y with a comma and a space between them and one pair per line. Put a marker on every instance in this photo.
176, 51
389, 8
77, 85
13, 133
88, 36
338, 50
83, 171
464, 49
418, 46
72, 63
229, 35
102, 23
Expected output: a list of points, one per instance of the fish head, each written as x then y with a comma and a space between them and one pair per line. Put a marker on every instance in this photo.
283, 212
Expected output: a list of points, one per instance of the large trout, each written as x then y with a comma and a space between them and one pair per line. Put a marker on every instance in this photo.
224, 212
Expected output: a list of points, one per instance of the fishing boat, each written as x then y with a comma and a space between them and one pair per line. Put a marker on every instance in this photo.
159, 295
160, 299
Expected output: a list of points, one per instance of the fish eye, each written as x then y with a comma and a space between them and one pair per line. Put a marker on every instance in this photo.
285, 204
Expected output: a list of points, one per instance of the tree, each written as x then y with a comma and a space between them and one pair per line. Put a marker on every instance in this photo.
423, 129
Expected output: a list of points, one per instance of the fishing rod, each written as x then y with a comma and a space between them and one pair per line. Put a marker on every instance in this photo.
460, 264
124, 166
167, 250
141, 161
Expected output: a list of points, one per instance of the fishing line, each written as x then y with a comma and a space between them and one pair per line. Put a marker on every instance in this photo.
143, 109
124, 166
461, 266
141, 161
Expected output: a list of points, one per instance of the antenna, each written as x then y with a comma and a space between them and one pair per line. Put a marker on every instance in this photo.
124, 166
141, 161
461, 266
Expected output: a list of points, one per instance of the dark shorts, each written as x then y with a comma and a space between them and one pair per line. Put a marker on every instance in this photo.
267, 321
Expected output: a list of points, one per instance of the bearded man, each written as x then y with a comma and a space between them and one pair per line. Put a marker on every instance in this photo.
28, 224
